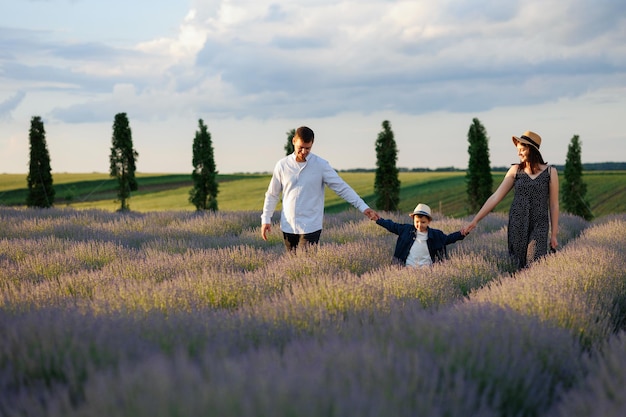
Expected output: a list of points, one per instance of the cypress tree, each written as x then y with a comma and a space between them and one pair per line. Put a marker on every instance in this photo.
478, 177
122, 160
40, 189
203, 195
574, 191
289, 145
386, 182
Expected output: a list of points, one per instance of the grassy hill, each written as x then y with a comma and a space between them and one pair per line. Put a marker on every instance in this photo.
443, 191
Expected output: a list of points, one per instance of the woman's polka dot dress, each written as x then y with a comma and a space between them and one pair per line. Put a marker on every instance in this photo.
529, 218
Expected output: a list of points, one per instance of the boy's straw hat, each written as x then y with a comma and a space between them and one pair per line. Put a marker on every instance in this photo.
422, 210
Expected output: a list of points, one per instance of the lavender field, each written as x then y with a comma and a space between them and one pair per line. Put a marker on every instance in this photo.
188, 314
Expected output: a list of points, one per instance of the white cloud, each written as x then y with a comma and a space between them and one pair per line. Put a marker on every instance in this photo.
183, 47
241, 63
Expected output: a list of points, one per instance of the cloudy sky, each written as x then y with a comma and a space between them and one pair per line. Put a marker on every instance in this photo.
254, 69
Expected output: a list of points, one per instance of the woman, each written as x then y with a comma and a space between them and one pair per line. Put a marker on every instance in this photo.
535, 205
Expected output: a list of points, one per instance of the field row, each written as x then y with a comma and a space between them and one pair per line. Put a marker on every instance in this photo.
184, 313
445, 192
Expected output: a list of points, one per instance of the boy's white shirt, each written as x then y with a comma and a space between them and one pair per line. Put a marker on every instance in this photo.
419, 255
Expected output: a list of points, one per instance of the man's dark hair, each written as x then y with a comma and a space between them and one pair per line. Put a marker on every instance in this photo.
305, 134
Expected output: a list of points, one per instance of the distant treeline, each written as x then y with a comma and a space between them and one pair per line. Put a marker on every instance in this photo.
593, 166
601, 166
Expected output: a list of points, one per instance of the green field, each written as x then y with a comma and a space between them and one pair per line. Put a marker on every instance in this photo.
443, 191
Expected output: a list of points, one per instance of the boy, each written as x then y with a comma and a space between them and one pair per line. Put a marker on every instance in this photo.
418, 244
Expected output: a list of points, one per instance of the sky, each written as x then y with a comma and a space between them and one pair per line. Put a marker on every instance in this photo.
254, 69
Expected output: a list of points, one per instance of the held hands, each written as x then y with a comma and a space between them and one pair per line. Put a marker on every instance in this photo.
371, 214
467, 229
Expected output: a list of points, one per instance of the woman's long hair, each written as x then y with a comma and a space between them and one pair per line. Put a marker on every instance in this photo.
534, 159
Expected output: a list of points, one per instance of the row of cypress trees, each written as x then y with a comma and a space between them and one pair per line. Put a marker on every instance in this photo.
122, 166
205, 189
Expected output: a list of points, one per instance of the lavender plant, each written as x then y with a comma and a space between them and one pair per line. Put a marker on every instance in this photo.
580, 288
175, 313
603, 390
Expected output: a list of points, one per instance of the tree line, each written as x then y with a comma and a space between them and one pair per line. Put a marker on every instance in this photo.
203, 195
122, 166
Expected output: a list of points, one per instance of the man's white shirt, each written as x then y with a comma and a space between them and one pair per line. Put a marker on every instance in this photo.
302, 187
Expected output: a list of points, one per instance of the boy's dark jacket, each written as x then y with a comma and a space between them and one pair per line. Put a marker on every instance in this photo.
437, 240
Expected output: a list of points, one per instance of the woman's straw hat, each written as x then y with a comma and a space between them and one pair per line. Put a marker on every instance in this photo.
529, 138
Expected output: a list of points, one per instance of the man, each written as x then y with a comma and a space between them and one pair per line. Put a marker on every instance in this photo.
301, 178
